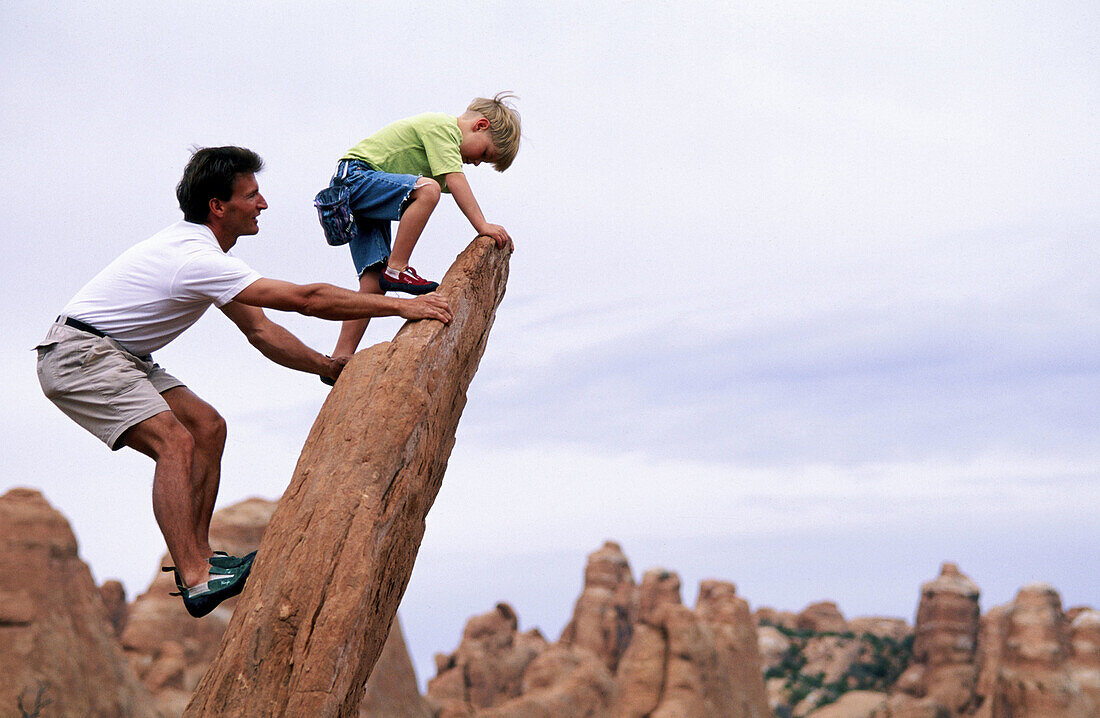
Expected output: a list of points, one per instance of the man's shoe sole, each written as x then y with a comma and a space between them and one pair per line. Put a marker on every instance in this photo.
200, 606
239, 568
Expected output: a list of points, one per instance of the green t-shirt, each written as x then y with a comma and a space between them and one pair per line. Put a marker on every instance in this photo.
425, 145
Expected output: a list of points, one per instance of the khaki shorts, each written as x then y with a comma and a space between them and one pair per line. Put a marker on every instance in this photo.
98, 384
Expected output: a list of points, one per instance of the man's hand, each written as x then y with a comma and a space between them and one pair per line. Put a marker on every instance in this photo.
429, 306
335, 366
498, 234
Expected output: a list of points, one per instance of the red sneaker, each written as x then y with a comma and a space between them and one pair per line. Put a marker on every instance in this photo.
406, 280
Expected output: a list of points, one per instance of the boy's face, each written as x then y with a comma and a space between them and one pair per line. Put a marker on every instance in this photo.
477, 144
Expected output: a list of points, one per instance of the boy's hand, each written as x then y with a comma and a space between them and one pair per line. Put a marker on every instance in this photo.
429, 306
499, 235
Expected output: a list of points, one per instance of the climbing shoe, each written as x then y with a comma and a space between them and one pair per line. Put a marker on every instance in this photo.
227, 577
405, 280
224, 560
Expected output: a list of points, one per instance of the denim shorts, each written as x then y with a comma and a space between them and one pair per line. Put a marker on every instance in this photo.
377, 198
99, 384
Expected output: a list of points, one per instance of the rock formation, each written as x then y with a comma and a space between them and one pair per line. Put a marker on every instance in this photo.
767, 616
701, 663
991, 640
854, 704
630, 650
560, 681
1035, 670
487, 667
815, 659
1084, 661
498, 671
821, 617
672, 661
773, 645
727, 615
391, 690
604, 615
880, 626
57, 643
113, 596
338, 553
170, 651
942, 676
1023, 659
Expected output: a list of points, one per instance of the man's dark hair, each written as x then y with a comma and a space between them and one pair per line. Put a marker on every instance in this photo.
210, 173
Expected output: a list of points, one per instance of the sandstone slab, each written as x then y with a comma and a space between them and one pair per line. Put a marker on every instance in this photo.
337, 556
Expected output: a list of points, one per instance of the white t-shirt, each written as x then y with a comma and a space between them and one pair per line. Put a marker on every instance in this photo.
160, 287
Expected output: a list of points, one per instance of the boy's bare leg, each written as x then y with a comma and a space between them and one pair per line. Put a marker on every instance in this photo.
352, 330
422, 202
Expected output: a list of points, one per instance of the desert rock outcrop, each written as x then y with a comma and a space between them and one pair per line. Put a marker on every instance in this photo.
487, 667
883, 627
807, 671
767, 616
854, 704
391, 689
604, 615
170, 651
337, 556
701, 663
561, 681
1033, 672
821, 617
675, 662
113, 596
59, 647
1084, 662
943, 674
498, 671
57, 642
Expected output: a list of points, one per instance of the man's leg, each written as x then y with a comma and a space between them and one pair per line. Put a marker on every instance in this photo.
165, 440
207, 428
352, 330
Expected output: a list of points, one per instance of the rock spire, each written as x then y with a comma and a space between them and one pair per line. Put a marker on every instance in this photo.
338, 553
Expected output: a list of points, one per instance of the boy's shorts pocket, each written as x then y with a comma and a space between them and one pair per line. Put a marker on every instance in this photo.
333, 205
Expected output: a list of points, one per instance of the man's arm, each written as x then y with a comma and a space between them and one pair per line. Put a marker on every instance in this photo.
278, 344
329, 302
464, 198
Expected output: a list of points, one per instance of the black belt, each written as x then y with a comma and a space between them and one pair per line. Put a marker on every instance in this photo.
77, 324
82, 326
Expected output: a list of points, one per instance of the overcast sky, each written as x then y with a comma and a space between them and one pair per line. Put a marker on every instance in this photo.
805, 295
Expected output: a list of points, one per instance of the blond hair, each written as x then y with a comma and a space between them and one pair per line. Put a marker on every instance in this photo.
503, 126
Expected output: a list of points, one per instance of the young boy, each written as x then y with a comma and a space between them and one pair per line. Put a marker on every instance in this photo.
398, 173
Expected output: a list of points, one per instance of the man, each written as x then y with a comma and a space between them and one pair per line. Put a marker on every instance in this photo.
95, 363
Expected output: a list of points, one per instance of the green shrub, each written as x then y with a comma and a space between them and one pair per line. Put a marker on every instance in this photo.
881, 661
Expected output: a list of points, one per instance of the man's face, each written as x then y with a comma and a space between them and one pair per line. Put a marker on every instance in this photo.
244, 207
